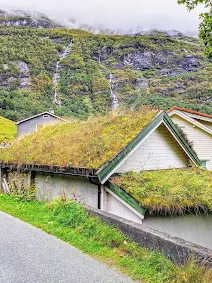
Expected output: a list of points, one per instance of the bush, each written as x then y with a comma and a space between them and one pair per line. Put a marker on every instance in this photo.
20, 188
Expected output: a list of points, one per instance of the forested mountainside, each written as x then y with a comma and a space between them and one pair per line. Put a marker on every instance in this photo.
43, 65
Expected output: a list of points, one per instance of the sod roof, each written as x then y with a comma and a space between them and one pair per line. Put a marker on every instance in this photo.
169, 191
88, 144
8, 130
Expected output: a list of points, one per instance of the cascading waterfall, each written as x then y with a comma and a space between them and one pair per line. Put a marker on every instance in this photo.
56, 75
115, 102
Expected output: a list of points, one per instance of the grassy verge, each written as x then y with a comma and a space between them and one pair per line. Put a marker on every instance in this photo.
70, 222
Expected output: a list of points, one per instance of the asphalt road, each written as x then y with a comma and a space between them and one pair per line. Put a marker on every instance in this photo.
28, 255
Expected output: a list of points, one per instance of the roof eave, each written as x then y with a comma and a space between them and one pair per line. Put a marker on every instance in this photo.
181, 140
190, 120
55, 169
40, 114
127, 198
200, 114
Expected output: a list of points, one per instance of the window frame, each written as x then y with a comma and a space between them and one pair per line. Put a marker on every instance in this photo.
205, 161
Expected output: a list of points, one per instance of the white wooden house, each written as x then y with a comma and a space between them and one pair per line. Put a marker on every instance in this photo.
158, 145
198, 129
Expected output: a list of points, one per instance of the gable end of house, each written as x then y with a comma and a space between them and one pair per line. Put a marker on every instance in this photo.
105, 172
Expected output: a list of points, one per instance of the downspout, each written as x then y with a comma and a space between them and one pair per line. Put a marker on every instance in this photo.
99, 196
95, 181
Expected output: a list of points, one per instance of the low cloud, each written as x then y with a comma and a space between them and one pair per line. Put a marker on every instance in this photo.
124, 15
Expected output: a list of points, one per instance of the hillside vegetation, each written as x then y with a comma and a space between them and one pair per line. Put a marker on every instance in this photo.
79, 144
155, 69
8, 130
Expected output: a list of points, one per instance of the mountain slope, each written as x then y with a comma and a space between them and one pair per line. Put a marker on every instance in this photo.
155, 69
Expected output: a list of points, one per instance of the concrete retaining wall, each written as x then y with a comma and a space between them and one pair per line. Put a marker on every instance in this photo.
176, 249
195, 228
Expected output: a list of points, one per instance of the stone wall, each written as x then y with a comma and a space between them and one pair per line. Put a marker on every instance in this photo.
174, 248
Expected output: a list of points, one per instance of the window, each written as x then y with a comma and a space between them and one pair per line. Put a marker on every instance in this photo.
46, 116
204, 163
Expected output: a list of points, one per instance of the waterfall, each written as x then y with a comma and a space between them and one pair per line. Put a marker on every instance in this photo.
56, 75
115, 102
99, 59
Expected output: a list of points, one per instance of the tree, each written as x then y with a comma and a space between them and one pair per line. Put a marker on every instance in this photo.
206, 25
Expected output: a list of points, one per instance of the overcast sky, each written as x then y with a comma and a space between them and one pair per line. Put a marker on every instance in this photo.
116, 14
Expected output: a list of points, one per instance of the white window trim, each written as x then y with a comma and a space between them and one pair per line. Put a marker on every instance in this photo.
206, 163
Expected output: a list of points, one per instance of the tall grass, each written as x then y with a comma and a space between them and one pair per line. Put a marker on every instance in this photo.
70, 222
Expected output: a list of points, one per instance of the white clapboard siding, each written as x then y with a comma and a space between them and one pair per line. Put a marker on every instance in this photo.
116, 206
159, 151
202, 141
205, 123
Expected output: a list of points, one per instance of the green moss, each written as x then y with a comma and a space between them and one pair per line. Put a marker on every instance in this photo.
169, 191
80, 144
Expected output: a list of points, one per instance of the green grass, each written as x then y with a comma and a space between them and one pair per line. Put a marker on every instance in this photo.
169, 191
81, 144
8, 130
70, 222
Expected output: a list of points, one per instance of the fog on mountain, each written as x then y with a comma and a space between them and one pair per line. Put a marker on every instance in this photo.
123, 16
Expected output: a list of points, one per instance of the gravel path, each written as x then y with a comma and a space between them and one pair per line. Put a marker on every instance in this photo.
28, 255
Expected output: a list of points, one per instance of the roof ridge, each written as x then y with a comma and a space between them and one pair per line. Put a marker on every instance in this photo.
189, 111
39, 114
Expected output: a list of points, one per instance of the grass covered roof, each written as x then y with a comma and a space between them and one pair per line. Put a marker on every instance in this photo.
87, 144
8, 130
169, 191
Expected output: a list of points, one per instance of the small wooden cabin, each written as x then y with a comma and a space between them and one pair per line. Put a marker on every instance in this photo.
34, 123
